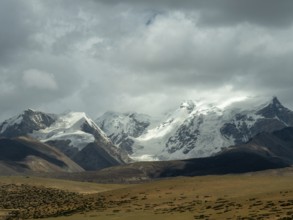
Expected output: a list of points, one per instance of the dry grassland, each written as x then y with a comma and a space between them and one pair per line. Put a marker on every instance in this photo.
210, 197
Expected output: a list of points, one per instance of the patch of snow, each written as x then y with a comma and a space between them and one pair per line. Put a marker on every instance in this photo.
166, 128
16, 120
117, 123
123, 126
68, 127
252, 118
145, 157
78, 139
250, 103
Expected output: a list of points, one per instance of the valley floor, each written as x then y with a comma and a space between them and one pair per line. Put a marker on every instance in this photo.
264, 195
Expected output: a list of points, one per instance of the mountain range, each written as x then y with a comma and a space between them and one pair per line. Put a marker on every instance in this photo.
195, 129
202, 138
72, 133
266, 151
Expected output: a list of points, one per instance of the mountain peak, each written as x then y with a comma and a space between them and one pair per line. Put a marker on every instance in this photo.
25, 123
29, 110
272, 109
275, 101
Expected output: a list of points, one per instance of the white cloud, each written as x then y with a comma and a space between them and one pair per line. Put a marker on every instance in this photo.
103, 55
34, 78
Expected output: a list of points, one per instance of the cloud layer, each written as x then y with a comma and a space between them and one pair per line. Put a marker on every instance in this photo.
144, 56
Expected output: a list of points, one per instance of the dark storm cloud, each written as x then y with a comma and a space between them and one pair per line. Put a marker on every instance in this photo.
97, 55
225, 12
262, 12
15, 29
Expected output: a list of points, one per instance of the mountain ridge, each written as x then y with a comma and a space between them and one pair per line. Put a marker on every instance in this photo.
196, 129
258, 154
200, 129
70, 132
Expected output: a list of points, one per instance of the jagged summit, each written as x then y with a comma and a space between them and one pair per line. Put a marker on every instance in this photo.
272, 102
234, 104
275, 100
26, 122
273, 108
252, 102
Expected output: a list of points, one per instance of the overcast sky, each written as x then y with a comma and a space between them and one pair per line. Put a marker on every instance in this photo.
141, 55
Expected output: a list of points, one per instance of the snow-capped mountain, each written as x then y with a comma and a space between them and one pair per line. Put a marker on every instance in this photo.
267, 117
26, 123
122, 127
193, 123
73, 133
195, 129
201, 129
74, 127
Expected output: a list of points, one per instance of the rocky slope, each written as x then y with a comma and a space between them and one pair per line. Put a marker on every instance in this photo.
277, 144
23, 155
